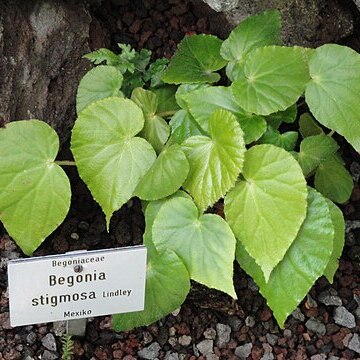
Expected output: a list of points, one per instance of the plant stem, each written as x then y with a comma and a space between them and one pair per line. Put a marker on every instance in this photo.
331, 133
166, 113
65, 162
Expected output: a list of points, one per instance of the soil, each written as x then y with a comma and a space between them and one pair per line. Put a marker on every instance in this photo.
210, 325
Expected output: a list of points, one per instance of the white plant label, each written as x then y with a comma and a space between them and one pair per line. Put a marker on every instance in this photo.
76, 285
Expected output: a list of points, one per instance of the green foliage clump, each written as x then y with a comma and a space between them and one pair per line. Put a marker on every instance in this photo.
67, 347
184, 137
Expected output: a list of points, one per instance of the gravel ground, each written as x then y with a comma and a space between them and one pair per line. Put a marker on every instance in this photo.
209, 325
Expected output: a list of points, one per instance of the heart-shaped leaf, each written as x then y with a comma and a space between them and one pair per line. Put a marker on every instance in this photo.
339, 240
151, 211
183, 125
110, 159
273, 79
167, 284
34, 191
333, 180
215, 161
205, 244
302, 265
195, 59
165, 176
254, 32
203, 102
267, 207
156, 130
314, 150
333, 92
98, 83
146, 100
185, 89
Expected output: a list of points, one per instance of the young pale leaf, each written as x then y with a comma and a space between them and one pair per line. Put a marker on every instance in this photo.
156, 130
196, 58
302, 265
314, 150
203, 102
266, 209
285, 140
334, 181
146, 100
254, 32
183, 125
205, 244
339, 240
167, 284
185, 89
151, 211
287, 116
110, 159
274, 78
34, 191
333, 92
165, 176
98, 83
215, 161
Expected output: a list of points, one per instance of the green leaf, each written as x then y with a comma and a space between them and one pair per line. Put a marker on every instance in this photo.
334, 181
273, 79
126, 59
151, 211
98, 83
184, 89
203, 102
165, 176
308, 126
314, 150
156, 130
166, 99
34, 191
339, 240
254, 32
101, 55
266, 209
155, 72
195, 59
253, 126
302, 265
146, 100
110, 159
183, 125
333, 92
285, 140
287, 116
167, 284
215, 161
204, 243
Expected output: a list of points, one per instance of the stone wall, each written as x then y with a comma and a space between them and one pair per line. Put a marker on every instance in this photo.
305, 22
41, 43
